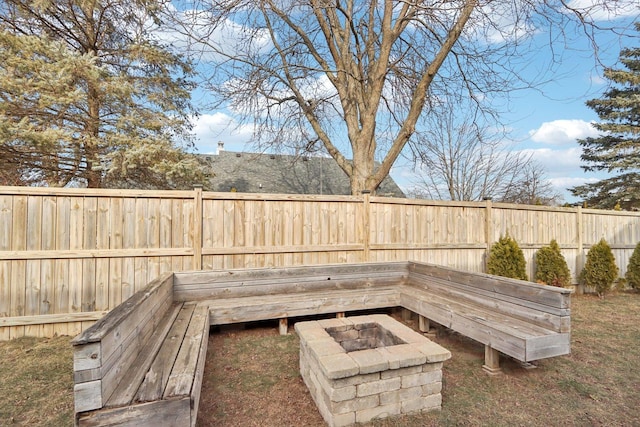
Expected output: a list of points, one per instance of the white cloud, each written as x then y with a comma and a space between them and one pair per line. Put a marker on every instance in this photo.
212, 128
565, 182
557, 161
563, 132
207, 38
605, 11
562, 184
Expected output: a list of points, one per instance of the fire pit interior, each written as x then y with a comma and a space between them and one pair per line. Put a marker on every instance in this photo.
363, 336
365, 367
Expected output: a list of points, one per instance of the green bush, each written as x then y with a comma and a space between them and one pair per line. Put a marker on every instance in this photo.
633, 269
600, 270
551, 267
506, 259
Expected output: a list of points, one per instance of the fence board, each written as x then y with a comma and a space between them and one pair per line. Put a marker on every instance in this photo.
5, 266
65, 252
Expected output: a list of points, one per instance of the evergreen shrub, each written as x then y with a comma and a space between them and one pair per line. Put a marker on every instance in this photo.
633, 269
551, 267
600, 270
506, 259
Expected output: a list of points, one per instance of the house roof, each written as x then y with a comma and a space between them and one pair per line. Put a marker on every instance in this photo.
273, 173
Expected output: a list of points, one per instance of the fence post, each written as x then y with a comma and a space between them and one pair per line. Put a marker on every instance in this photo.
488, 231
580, 255
366, 223
197, 227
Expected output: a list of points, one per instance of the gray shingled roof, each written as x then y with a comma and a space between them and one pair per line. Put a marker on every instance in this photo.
273, 173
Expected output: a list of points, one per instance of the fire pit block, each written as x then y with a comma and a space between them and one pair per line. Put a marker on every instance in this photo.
365, 367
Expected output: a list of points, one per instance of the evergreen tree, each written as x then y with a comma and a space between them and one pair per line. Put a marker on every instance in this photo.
600, 270
506, 259
633, 269
618, 149
551, 267
88, 97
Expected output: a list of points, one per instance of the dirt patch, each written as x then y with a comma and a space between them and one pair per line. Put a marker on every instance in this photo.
252, 379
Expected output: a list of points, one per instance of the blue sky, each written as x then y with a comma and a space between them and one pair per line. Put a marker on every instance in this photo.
545, 121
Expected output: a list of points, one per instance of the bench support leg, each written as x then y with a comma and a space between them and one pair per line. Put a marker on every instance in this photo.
406, 314
340, 315
423, 324
284, 326
491, 361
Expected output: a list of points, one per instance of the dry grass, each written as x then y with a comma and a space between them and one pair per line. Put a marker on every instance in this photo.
36, 382
251, 379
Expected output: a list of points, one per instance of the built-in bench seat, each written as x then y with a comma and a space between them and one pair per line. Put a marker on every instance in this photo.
142, 364
521, 319
246, 309
235, 296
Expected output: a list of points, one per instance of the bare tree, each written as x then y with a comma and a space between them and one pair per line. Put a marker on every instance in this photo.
532, 188
354, 76
456, 158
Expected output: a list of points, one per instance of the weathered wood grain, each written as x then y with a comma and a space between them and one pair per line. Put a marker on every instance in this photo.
185, 369
145, 358
157, 376
176, 412
549, 295
489, 324
544, 316
234, 310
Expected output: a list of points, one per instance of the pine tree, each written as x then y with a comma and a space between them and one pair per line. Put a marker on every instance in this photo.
89, 97
618, 149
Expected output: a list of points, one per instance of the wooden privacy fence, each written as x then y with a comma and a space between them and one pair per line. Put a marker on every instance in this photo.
69, 255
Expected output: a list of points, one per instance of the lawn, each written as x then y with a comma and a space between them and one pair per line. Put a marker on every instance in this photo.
251, 378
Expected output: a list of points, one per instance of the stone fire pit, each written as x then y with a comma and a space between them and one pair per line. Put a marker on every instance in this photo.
366, 367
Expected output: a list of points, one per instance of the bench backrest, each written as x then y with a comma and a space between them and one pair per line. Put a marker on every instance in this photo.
201, 285
104, 351
546, 306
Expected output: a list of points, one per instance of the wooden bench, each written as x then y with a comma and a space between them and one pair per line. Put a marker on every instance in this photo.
521, 319
142, 363
235, 296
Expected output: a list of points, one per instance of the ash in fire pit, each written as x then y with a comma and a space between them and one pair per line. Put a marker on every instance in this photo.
366, 367
363, 336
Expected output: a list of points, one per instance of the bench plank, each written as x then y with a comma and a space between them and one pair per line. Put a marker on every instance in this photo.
198, 286
525, 291
134, 375
202, 357
507, 334
235, 310
153, 414
185, 369
555, 319
268, 275
155, 380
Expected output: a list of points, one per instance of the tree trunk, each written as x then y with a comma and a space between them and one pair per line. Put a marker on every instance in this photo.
362, 178
92, 175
